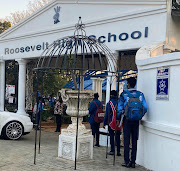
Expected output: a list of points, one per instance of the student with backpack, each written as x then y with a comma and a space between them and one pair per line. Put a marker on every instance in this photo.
110, 117
95, 110
132, 105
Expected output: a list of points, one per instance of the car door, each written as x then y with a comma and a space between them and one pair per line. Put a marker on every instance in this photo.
0, 122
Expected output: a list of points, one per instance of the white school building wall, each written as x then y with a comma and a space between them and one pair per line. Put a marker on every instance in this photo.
159, 136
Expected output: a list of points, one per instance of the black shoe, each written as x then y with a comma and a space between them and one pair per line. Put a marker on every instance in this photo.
126, 165
118, 154
111, 153
96, 145
132, 164
56, 131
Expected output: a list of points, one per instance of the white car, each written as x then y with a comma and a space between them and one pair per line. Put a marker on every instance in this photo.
13, 125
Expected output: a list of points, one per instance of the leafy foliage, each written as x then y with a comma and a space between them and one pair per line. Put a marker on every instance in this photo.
32, 7
4, 26
49, 83
11, 72
12, 79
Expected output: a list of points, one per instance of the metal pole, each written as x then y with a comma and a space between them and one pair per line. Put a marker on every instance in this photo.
117, 105
35, 138
36, 125
77, 122
119, 57
108, 122
114, 158
40, 115
40, 129
5, 85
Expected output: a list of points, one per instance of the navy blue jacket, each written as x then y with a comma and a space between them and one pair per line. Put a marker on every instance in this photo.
109, 110
92, 110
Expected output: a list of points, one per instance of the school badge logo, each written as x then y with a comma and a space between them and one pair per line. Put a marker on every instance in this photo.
162, 85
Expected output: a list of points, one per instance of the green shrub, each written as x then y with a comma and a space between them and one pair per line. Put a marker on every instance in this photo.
47, 113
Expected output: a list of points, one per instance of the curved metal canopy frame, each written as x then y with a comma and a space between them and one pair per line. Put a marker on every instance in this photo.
77, 52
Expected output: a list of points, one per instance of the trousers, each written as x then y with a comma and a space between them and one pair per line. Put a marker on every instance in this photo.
130, 130
112, 133
95, 131
58, 122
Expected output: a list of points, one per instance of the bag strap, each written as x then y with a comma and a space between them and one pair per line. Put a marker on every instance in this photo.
101, 105
96, 104
111, 104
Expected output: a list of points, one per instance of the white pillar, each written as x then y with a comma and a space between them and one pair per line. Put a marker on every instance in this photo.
21, 86
111, 79
97, 86
2, 84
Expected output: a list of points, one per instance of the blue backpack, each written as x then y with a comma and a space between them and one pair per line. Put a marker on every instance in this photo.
134, 109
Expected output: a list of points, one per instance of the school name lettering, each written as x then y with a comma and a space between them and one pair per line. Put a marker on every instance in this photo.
101, 39
122, 37
32, 48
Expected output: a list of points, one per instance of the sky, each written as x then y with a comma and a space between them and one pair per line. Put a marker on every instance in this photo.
10, 6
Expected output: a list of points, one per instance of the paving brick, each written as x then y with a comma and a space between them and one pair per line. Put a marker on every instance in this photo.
19, 156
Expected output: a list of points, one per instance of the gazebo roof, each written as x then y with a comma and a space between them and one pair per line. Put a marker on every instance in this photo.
77, 52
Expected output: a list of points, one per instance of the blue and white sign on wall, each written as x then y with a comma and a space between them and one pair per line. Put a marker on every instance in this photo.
162, 83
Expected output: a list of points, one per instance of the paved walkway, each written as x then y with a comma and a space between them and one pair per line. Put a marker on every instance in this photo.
19, 156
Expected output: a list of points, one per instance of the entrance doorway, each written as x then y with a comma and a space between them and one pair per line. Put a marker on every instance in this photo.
127, 60
127, 65
11, 82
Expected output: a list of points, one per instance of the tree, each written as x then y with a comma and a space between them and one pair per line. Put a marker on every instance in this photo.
36, 4
16, 17
4, 25
50, 82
